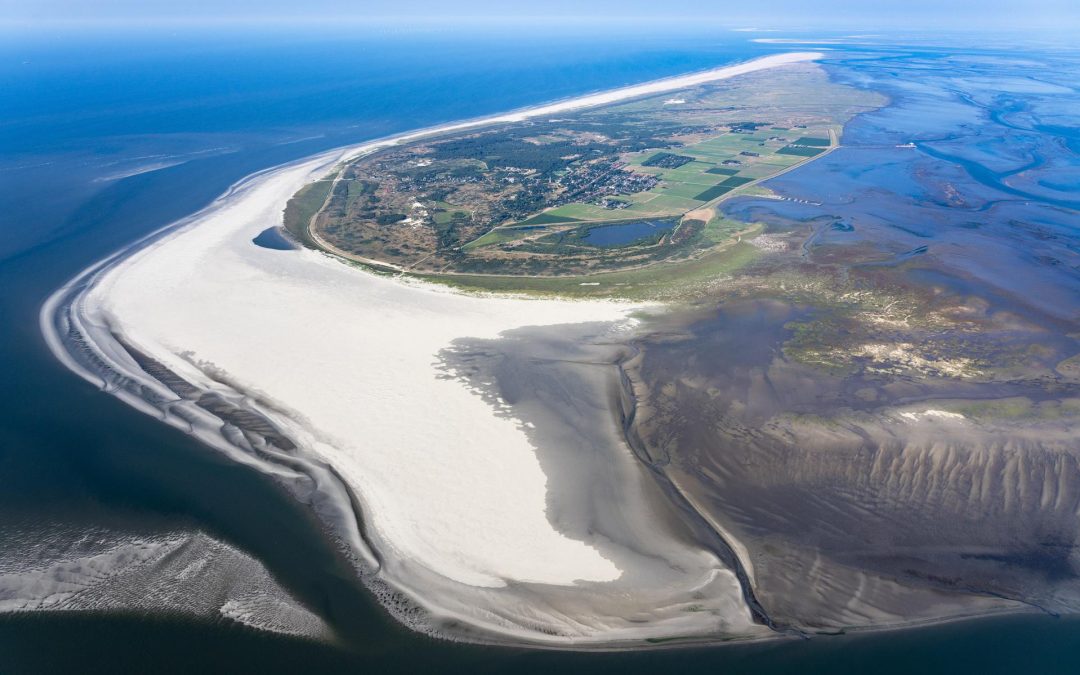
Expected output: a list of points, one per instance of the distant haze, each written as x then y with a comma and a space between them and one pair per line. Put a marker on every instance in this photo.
998, 15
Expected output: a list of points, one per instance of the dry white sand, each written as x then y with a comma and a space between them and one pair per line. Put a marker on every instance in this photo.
352, 354
344, 361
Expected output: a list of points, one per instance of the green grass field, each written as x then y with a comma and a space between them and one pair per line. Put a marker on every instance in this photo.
800, 151
549, 217
444, 217
571, 213
695, 183
499, 236
302, 207
690, 184
674, 279
736, 181
713, 193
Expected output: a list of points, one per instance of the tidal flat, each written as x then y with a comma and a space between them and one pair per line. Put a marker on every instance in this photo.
877, 413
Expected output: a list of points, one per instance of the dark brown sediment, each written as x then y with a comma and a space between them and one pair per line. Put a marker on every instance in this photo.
627, 405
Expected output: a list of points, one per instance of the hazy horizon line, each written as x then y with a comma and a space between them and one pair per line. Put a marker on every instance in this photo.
863, 30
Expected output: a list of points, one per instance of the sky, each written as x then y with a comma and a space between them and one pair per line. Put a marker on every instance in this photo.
877, 15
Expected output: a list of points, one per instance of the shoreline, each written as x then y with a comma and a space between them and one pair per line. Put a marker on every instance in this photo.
84, 336
73, 292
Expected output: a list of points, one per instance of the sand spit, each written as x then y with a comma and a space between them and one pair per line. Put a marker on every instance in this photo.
328, 377
343, 363
70, 568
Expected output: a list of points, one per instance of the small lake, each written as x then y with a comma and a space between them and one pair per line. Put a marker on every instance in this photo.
626, 233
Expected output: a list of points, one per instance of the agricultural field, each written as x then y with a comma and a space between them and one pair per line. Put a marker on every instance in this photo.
617, 187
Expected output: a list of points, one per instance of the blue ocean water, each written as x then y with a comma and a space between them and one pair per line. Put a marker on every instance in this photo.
106, 136
82, 112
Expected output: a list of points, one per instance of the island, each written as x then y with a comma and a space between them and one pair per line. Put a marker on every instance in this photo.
611, 188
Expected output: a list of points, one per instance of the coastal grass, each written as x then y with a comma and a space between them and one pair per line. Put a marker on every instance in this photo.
661, 281
498, 236
721, 230
756, 191
302, 208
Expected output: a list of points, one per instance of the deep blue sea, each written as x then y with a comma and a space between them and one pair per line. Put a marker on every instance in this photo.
107, 136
